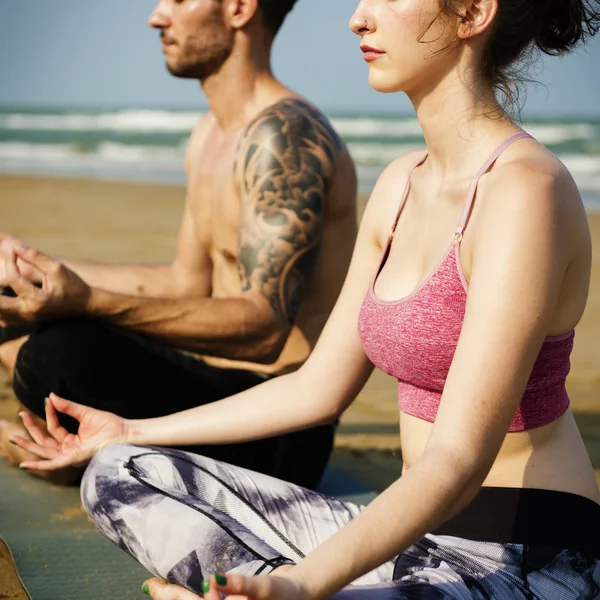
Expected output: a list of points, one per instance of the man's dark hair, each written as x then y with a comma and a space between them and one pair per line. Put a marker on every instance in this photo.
275, 11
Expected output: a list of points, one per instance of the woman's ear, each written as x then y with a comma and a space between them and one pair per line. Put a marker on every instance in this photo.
476, 17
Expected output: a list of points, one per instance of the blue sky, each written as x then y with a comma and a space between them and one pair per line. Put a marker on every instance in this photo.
101, 53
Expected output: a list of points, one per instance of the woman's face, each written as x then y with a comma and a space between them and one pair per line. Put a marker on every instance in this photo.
408, 44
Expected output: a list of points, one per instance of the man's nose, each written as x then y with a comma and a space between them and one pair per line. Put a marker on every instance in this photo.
160, 16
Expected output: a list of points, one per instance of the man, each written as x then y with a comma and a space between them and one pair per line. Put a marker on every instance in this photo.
263, 248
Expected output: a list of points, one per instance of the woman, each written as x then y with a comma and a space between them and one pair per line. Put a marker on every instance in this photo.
470, 302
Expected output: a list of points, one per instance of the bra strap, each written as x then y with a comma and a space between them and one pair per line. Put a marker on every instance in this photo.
404, 197
473, 187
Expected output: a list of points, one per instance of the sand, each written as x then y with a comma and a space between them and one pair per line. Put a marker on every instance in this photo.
137, 223
10, 583
121, 222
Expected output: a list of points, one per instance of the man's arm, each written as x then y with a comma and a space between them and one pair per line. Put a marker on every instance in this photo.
284, 166
126, 279
135, 280
189, 273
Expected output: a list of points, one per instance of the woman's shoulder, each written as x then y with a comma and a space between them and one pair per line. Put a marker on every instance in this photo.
529, 182
531, 171
529, 202
393, 178
384, 200
398, 170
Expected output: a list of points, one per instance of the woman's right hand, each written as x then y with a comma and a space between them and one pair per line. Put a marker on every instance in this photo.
58, 448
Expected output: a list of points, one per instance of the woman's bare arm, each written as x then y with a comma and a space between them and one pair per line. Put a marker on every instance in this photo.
521, 254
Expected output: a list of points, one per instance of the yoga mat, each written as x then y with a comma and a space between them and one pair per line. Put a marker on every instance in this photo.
58, 553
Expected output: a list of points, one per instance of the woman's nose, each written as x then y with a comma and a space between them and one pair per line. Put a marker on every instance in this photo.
361, 21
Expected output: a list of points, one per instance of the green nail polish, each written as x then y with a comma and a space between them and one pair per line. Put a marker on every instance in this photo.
146, 589
220, 579
45, 401
23, 468
205, 586
13, 443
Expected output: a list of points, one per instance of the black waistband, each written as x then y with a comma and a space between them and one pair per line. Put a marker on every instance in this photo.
529, 516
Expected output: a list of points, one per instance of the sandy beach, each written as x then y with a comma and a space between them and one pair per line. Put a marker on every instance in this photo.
131, 223
121, 222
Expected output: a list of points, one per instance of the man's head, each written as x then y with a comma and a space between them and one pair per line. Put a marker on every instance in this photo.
198, 36
274, 13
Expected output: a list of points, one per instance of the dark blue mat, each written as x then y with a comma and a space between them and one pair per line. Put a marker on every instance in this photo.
58, 553
60, 556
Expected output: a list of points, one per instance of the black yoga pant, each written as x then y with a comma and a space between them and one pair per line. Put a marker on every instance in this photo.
136, 377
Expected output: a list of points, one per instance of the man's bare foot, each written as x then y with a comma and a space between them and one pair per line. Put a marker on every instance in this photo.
10, 452
15, 455
9, 352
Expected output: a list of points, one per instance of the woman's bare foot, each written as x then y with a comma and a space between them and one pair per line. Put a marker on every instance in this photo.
281, 569
9, 352
15, 455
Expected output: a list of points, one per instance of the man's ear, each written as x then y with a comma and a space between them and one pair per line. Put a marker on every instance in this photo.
238, 13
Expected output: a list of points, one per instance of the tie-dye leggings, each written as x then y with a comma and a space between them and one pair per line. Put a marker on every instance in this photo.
184, 517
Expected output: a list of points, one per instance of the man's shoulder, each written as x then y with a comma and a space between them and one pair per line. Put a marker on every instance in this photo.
290, 144
202, 126
198, 135
297, 120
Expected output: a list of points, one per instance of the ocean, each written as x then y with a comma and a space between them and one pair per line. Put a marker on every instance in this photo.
149, 145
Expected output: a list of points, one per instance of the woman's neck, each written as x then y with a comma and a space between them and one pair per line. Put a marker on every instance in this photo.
460, 123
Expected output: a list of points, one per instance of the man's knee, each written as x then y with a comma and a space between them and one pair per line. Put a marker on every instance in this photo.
56, 356
60, 346
9, 352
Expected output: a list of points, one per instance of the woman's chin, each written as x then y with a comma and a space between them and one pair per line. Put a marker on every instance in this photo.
382, 84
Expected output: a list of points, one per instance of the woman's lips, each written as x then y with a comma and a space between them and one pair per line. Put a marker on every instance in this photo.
371, 53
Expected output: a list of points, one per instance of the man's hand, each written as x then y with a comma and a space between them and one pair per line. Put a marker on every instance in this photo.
9, 243
63, 293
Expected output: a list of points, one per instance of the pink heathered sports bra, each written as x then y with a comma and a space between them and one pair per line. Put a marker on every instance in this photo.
414, 338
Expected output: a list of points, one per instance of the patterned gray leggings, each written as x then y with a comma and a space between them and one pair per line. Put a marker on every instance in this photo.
184, 517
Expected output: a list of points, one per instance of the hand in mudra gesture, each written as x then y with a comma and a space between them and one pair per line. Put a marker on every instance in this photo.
58, 448
60, 291
8, 244
232, 587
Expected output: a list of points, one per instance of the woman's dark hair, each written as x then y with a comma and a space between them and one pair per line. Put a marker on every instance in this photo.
523, 28
275, 11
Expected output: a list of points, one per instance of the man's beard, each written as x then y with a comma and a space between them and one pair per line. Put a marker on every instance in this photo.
199, 62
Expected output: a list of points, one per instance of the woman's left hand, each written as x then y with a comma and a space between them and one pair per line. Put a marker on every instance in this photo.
158, 589
233, 587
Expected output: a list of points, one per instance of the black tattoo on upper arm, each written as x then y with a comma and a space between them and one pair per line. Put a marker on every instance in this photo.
284, 170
